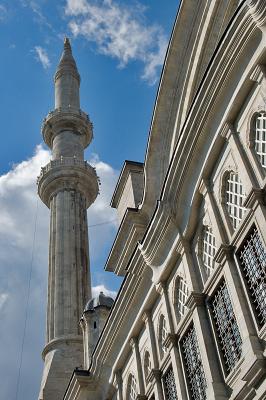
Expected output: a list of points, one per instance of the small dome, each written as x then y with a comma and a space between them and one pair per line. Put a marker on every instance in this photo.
99, 301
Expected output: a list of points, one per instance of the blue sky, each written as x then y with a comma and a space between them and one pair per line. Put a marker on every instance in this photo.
119, 47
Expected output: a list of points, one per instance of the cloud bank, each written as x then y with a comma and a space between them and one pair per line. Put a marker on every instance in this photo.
18, 205
119, 31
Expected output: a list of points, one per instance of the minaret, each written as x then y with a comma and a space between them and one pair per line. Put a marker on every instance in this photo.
68, 185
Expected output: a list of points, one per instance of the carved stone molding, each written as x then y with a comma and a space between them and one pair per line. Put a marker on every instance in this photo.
155, 374
133, 342
141, 397
171, 340
195, 299
258, 73
258, 11
256, 195
161, 287
146, 316
225, 251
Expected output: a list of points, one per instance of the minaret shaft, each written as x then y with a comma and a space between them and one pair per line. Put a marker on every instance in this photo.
69, 280
68, 185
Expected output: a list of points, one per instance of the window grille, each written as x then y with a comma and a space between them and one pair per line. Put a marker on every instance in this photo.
169, 385
163, 335
182, 296
132, 388
147, 365
208, 249
228, 334
252, 258
260, 138
193, 365
235, 197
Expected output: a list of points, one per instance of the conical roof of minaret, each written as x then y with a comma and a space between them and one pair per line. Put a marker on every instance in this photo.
67, 62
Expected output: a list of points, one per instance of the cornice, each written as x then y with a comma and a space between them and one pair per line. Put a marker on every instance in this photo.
202, 109
161, 229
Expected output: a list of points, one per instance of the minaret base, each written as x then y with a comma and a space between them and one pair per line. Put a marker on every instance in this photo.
61, 357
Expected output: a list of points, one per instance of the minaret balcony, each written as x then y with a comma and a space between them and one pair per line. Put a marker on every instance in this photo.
68, 173
67, 119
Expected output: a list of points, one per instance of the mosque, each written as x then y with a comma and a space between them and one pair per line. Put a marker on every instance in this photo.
189, 321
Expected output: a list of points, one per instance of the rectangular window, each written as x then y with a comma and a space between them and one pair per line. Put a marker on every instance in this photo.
252, 260
169, 385
228, 334
193, 365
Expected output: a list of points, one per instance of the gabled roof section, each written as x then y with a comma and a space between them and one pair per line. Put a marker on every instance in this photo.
126, 169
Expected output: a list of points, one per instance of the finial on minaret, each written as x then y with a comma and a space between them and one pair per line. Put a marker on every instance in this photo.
67, 46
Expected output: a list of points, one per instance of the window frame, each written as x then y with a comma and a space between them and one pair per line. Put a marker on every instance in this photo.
215, 332
184, 364
224, 201
202, 252
252, 141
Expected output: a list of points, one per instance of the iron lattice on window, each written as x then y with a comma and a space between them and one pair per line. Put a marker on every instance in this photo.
226, 326
235, 197
193, 365
208, 249
169, 385
260, 138
252, 257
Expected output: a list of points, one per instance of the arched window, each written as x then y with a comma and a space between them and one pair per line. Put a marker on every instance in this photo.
234, 198
260, 138
132, 388
162, 336
208, 249
147, 366
182, 296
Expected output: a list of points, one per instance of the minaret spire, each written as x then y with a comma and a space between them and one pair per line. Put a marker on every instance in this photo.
68, 185
67, 80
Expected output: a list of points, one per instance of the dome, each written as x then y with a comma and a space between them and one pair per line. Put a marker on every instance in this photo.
99, 301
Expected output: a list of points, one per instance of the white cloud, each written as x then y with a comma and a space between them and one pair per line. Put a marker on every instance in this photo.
42, 56
3, 12
18, 201
119, 31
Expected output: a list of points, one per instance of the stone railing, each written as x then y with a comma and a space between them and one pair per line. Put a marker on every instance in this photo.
63, 110
66, 161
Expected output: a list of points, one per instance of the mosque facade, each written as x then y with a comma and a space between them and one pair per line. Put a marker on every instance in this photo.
189, 321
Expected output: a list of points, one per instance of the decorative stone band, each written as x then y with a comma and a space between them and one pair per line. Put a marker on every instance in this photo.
258, 11
67, 119
68, 174
63, 342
